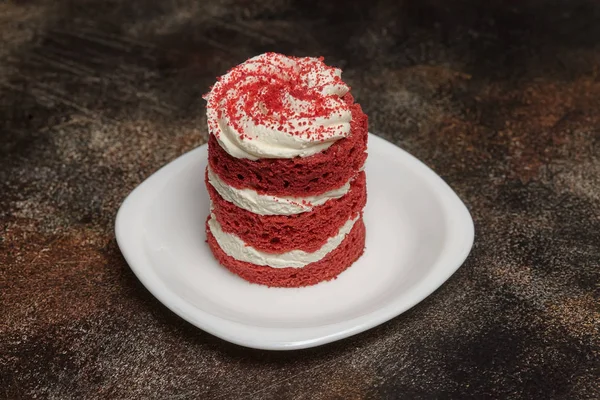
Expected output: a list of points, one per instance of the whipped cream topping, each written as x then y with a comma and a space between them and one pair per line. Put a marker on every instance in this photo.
274, 106
264, 204
235, 247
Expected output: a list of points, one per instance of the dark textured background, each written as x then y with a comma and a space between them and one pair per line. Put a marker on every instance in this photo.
501, 98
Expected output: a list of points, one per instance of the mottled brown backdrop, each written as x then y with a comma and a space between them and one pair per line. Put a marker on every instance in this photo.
502, 98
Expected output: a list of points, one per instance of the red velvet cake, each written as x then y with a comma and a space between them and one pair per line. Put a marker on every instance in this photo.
286, 149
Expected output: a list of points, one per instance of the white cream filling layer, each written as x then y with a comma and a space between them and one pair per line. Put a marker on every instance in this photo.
235, 247
264, 204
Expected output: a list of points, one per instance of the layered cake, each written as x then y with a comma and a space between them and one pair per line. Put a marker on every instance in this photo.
286, 149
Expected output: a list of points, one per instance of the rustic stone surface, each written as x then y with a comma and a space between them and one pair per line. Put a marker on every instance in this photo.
501, 98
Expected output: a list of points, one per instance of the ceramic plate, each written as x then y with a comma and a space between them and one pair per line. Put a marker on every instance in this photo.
418, 233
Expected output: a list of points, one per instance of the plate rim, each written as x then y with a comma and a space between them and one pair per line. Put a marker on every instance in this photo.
245, 335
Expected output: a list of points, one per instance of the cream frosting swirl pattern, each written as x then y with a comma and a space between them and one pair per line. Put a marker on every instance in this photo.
274, 106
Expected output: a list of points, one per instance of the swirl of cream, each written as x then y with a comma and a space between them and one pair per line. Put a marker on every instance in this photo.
274, 106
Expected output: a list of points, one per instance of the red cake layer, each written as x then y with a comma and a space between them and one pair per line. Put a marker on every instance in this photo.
334, 263
299, 176
307, 231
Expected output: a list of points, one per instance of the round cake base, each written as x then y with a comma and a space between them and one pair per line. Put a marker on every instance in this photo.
328, 268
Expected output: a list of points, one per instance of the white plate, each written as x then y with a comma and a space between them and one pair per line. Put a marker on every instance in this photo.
418, 234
